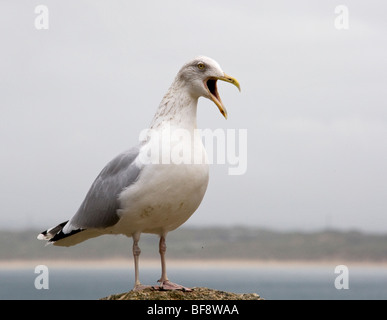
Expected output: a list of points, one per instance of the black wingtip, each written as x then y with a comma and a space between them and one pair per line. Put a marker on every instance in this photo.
61, 235
54, 234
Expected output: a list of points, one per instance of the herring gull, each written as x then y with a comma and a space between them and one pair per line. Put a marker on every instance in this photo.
139, 191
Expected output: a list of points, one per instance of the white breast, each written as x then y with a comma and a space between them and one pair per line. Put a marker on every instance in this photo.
165, 195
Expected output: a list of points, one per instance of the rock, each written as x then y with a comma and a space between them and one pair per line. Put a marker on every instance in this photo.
198, 293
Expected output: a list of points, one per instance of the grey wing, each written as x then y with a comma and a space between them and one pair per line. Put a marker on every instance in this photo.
99, 209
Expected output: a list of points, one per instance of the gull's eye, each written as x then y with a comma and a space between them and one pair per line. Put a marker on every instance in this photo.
201, 65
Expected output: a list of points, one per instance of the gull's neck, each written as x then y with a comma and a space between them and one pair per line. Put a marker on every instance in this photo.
177, 108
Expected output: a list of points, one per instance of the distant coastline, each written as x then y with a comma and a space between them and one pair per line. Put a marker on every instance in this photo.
238, 246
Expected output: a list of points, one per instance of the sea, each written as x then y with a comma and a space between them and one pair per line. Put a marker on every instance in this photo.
270, 281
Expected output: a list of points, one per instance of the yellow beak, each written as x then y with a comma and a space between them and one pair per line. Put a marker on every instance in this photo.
213, 91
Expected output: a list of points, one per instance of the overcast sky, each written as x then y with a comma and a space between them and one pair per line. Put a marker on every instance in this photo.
313, 102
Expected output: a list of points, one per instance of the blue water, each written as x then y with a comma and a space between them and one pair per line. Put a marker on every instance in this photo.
271, 282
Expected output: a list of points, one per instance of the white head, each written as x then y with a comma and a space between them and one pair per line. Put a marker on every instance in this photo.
200, 76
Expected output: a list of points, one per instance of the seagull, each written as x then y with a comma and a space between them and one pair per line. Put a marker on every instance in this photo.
150, 188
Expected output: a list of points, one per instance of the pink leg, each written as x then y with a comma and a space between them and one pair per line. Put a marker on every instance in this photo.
136, 254
165, 284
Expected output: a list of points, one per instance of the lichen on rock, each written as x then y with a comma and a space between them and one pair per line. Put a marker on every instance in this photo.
197, 293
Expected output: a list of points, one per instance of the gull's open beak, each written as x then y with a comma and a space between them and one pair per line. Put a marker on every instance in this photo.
210, 84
